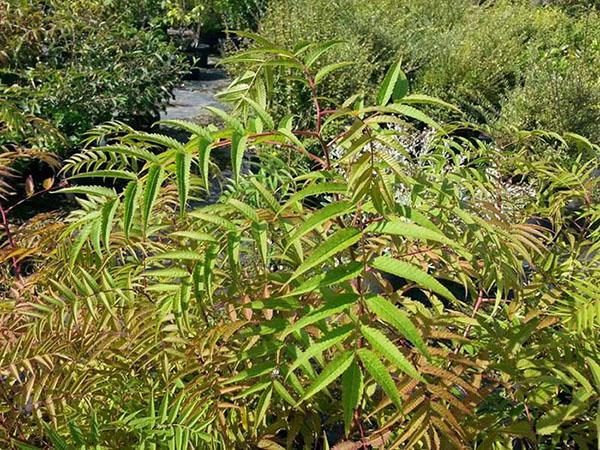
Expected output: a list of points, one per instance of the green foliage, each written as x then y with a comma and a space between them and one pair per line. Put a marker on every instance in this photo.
212, 16
66, 66
560, 91
77, 64
165, 318
506, 63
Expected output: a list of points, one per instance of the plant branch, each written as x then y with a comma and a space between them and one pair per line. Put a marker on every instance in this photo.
11, 241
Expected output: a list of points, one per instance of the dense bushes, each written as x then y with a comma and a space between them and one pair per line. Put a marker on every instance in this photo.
212, 16
388, 294
77, 64
486, 57
369, 43
561, 91
66, 66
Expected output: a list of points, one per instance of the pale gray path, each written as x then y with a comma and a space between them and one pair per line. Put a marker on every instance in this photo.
193, 95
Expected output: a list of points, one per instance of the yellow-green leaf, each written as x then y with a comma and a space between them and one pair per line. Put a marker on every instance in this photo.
409, 230
380, 374
130, 200
387, 312
108, 214
153, 183
238, 147
338, 241
333, 305
333, 370
317, 348
336, 275
183, 164
389, 350
411, 272
352, 390
318, 218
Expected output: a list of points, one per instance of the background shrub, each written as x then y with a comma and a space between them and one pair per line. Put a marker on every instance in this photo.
560, 88
77, 64
501, 62
289, 23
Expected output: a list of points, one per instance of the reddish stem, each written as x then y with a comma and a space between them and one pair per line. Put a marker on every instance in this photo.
11, 241
28, 198
320, 113
225, 142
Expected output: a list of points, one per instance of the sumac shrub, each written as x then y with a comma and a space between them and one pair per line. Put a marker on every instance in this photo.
381, 291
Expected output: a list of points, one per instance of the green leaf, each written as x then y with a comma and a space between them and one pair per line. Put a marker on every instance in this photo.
155, 138
108, 214
229, 120
245, 209
427, 100
263, 405
130, 200
595, 369
352, 391
238, 147
78, 244
338, 241
96, 236
163, 409
318, 218
283, 393
331, 338
259, 232
254, 389
400, 88
380, 374
220, 221
171, 272
387, 312
321, 49
411, 272
315, 189
118, 174
262, 113
57, 441
336, 275
329, 374
253, 372
98, 191
153, 183
333, 305
183, 166
266, 194
286, 123
204, 149
582, 142
190, 127
135, 152
550, 422
413, 113
388, 349
322, 74
183, 255
260, 40
393, 86
195, 236
409, 230
290, 136
419, 218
